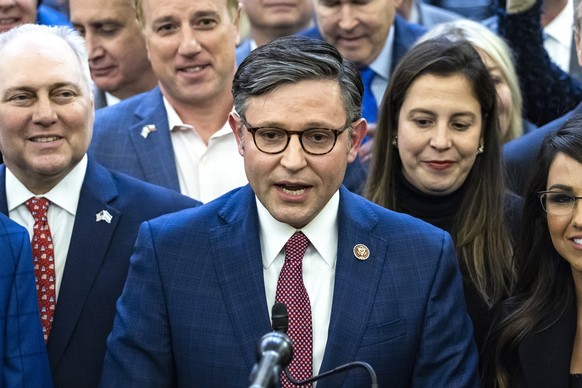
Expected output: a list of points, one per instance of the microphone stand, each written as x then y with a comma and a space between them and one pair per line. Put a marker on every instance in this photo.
351, 365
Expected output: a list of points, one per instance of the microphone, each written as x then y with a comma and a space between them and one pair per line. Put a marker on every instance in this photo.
274, 350
280, 323
280, 317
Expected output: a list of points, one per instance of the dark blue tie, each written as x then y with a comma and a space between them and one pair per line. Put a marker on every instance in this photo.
369, 106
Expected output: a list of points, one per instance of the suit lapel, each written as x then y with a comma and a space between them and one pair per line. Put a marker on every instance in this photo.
88, 248
238, 263
545, 356
355, 281
154, 150
3, 199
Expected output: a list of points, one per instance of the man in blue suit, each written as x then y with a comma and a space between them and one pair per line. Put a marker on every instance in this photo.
373, 285
373, 36
177, 135
369, 33
24, 359
46, 118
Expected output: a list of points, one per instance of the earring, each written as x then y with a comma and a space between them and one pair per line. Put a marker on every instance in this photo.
395, 142
480, 149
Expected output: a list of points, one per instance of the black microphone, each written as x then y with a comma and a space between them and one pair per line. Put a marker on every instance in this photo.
280, 322
280, 317
274, 350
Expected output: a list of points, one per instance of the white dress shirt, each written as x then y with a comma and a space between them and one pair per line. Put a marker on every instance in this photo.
111, 99
558, 37
64, 198
382, 67
318, 265
205, 172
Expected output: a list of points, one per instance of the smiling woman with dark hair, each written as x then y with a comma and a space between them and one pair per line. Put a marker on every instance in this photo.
535, 342
437, 158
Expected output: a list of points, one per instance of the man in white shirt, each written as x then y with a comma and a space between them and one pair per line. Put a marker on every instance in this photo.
361, 283
177, 135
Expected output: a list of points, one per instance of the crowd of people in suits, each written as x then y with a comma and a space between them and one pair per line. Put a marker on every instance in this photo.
160, 170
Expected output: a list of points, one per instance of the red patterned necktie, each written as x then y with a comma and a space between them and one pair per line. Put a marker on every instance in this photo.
291, 291
44, 262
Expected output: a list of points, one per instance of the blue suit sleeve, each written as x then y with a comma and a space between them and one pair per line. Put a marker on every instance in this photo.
25, 360
139, 346
447, 355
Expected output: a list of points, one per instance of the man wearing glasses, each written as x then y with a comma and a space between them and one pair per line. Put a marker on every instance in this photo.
361, 283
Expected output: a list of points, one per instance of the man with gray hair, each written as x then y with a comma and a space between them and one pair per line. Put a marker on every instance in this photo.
201, 283
82, 218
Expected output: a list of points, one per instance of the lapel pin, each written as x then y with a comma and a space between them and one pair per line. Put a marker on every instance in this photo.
147, 129
361, 252
104, 215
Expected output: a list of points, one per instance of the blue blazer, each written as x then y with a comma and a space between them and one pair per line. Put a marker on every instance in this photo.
96, 267
24, 360
118, 144
405, 35
194, 305
520, 155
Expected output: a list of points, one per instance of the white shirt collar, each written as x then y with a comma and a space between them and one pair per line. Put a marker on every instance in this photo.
322, 232
65, 194
111, 99
382, 64
175, 121
253, 44
560, 29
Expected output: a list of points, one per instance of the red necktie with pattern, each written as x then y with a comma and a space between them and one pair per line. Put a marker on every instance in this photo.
44, 262
291, 291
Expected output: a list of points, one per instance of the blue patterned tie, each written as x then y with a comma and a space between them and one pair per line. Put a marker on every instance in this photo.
369, 106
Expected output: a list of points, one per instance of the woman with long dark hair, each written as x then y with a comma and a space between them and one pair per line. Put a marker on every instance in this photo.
535, 342
437, 157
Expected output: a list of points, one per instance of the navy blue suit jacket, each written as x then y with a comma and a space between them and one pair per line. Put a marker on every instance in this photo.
520, 154
96, 267
118, 144
24, 359
194, 305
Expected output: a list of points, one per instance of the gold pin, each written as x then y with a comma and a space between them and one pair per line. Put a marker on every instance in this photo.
361, 252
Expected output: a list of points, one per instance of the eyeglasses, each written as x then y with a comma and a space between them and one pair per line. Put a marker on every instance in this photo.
314, 141
558, 204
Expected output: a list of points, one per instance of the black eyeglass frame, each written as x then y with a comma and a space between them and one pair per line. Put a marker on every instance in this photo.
336, 133
542, 195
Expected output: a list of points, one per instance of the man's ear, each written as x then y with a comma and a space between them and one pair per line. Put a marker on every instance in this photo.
235, 124
360, 129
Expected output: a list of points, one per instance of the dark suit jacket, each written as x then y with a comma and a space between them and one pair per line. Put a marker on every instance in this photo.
24, 359
194, 305
405, 35
545, 356
99, 98
520, 155
96, 267
118, 144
